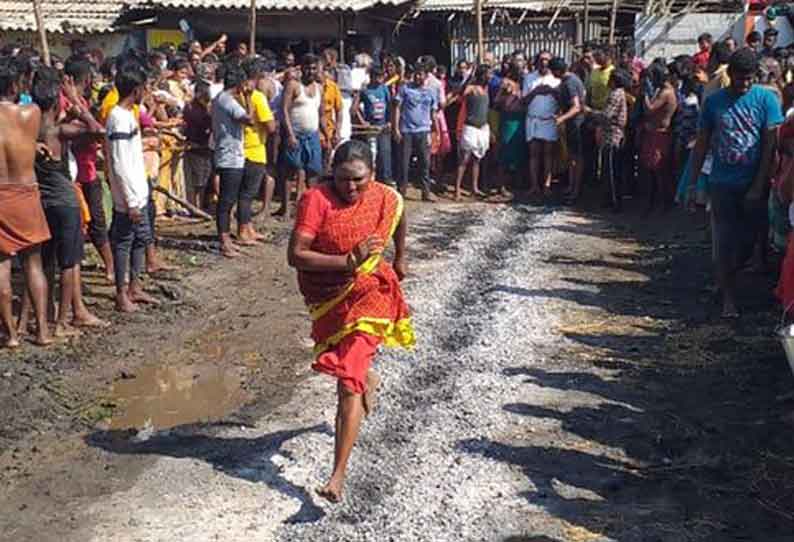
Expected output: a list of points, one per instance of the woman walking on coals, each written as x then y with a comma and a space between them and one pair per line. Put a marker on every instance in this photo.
352, 292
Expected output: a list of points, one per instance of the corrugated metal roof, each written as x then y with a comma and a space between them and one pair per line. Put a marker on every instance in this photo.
65, 16
94, 16
468, 5
286, 5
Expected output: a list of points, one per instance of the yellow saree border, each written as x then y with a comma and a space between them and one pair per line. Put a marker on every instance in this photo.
319, 310
394, 334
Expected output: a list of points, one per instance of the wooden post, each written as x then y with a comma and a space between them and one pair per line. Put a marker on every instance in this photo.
342, 33
612, 22
586, 32
480, 36
45, 48
252, 44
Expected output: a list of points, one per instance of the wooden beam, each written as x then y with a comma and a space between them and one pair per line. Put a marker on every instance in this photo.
252, 28
612, 21
586, 21
480, 33
45, 47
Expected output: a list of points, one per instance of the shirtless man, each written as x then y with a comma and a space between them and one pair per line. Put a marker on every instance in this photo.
23, 227
303, 115
656, 150
58, 197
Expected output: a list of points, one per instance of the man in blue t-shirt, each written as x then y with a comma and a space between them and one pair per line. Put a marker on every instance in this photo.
738, 129
414, 109
372, 108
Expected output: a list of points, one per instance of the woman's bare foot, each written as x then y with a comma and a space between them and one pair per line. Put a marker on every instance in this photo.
137, 295
64, 331
228, 251
246, 241
89, 320
332, 491
371, 395
22, 326
124, 304
159, 267
43, 338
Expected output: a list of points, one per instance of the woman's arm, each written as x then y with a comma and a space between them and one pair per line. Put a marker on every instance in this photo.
400, 235
301, 256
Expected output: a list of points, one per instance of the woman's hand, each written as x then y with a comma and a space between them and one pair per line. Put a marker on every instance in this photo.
401, 268
362, 251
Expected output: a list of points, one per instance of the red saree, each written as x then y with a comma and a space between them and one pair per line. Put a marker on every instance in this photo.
343, 306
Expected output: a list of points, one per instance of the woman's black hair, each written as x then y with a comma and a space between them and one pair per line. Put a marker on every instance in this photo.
78, 69
46, 89
621, 79
9, 75
658, 74
353, 150
481, 75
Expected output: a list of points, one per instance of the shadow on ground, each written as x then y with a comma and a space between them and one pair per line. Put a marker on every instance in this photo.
699, 409
249, 459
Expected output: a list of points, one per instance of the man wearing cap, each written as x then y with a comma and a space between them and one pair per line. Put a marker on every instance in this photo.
770, 40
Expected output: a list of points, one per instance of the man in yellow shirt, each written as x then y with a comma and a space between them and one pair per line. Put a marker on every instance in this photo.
330, 131
255, 150
110, 101
598, 83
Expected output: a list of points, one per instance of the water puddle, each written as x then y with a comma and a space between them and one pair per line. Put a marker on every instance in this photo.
165, 397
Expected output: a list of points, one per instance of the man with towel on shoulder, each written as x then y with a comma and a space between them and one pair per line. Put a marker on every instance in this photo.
23, 226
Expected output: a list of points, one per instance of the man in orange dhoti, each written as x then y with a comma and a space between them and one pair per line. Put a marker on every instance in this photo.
353, 293
23, 226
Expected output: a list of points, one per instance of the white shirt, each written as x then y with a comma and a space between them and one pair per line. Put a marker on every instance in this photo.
128, 183
544, 106
215, 89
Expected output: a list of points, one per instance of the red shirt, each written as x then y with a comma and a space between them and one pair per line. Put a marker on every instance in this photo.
702, 59
85, 150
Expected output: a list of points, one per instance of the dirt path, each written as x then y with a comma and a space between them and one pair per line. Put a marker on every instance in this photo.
571, 384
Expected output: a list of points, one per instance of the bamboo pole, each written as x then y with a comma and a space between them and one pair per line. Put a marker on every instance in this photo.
612, 21
586, 32
252, 44
480, 35
45, 48
342, 32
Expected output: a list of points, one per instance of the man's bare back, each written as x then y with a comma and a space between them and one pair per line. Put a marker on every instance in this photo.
664, 106
19, 129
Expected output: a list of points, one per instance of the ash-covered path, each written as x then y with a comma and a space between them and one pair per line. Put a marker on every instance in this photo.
487, 431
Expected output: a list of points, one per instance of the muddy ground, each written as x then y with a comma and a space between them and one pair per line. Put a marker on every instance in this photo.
690, 438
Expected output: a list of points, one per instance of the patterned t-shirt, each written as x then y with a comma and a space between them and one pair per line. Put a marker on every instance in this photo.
737, 124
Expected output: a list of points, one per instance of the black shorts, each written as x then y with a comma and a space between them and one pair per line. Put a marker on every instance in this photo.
573, 138
98, 227
736, 223
66, 244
